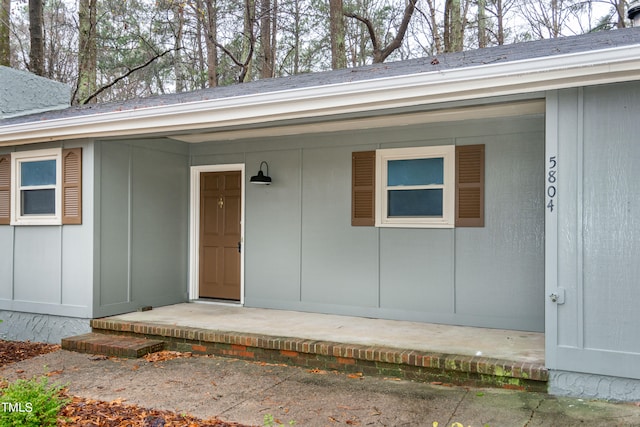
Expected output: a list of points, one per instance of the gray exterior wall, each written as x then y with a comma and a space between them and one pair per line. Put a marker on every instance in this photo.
48, 269
302, 253
142, 223
594, 132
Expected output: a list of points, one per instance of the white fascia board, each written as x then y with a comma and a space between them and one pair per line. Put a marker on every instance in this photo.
485, 80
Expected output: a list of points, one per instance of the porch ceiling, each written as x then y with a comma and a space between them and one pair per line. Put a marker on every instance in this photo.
486, 111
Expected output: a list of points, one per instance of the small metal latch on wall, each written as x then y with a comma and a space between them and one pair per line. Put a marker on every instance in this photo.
557, 296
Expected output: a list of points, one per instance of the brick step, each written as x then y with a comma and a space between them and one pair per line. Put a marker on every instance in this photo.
112, 345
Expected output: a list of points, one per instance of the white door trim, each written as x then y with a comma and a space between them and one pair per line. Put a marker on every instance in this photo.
194, 232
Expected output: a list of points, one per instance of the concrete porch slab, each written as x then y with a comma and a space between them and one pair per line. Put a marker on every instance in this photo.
428, 337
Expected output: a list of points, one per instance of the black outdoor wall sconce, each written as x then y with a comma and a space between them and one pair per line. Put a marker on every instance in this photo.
261, 178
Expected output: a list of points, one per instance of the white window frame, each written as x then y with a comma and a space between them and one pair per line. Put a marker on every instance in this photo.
383, 156
17, 159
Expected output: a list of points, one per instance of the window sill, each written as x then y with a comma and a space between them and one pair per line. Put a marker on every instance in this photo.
414, 225
32, 222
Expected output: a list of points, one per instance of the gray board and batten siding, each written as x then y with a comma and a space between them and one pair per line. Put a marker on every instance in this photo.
593, 131
130, 249
142, 223
46, 270
302, 253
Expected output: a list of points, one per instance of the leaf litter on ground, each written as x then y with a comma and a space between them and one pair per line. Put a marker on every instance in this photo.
83, 412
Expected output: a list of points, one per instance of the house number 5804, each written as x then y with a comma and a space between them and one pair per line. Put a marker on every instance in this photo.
551, 182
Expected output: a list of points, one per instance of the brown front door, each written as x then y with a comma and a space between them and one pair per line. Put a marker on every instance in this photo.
220, 209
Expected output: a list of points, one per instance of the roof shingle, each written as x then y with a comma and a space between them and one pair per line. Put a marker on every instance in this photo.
478, 57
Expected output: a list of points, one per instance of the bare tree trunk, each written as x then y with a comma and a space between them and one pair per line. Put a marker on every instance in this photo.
179, 71
446, 32
453, 26
336, 33
266, 53
456, 27
500, 17
555, 19
36, 35
249, 39
5, 31
274, 34
87, 51
437, 39
482, 24
211, 31
200, 15
620, 12
296, 37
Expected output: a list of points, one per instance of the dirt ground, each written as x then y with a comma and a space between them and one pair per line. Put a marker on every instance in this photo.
99, 413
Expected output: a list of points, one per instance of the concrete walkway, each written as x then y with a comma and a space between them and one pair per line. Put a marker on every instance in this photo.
494, 343
244, 391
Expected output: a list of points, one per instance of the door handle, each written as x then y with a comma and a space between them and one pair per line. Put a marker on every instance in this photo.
239, 247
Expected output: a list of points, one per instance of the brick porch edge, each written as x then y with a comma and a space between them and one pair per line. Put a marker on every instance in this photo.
369, 360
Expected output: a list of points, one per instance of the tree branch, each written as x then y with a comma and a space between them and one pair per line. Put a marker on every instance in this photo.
125, 75
379, 53
397, 40
369, 24
243, 65
228, 53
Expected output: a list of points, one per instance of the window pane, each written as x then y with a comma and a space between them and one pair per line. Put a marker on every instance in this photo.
39, 202
412, 203
41, 172
415, 171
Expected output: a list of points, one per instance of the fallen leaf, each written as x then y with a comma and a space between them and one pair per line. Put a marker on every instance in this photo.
317, 371
95, 358
88, 412
58, 372
19, 371
162, 356
357, 375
